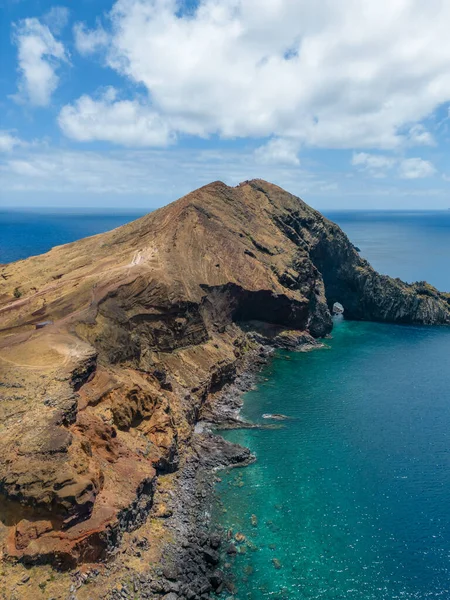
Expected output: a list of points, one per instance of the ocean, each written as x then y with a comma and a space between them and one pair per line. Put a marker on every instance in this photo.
349, 497
411, 245
27, 233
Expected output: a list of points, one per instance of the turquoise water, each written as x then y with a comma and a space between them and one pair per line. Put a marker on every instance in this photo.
351, 495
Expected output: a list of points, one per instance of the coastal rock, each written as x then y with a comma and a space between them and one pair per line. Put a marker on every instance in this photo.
217, 578
338, 309
145, 326
210, 556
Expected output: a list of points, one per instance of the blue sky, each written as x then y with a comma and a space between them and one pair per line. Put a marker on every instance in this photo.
134, 103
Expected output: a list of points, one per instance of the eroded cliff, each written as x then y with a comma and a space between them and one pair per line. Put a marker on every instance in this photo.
111, 346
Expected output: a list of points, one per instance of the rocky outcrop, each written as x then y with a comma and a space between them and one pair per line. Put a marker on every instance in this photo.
367, 295
144, 326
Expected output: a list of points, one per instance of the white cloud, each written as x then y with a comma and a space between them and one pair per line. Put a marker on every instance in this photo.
377, 165
87, 42
25, 168
419, 136
329, 74
373, 161
278, 151
39, 55
157, 174
8, 141
416, 168
57, 18
126, 122
41, 175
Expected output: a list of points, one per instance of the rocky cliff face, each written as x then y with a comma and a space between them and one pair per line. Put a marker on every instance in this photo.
110, 347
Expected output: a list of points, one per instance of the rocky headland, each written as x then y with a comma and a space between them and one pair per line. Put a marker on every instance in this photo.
115, 347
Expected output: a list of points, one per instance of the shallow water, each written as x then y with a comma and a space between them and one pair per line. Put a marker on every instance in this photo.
352, 494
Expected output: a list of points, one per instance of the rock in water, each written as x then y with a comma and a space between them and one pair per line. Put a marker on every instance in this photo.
276, 417
143, 325
338, 309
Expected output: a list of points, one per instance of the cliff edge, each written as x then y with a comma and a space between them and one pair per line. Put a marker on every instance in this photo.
111, 346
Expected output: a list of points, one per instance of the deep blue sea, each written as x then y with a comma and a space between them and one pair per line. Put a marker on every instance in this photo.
24, 233
350, 497
410, 245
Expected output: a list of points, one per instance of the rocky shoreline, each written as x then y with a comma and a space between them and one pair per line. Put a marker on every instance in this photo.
192, 565
197, 564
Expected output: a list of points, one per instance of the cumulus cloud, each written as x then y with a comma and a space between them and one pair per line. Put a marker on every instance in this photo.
39, 55
126, 122
279, 151
416, 168
89, 41
329, 74
408, 168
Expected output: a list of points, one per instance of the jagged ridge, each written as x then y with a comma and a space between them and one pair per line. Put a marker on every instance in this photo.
146, 324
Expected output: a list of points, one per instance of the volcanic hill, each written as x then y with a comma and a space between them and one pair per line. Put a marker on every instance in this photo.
111, 347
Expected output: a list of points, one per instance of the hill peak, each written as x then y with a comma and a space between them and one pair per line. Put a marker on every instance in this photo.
137, 330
